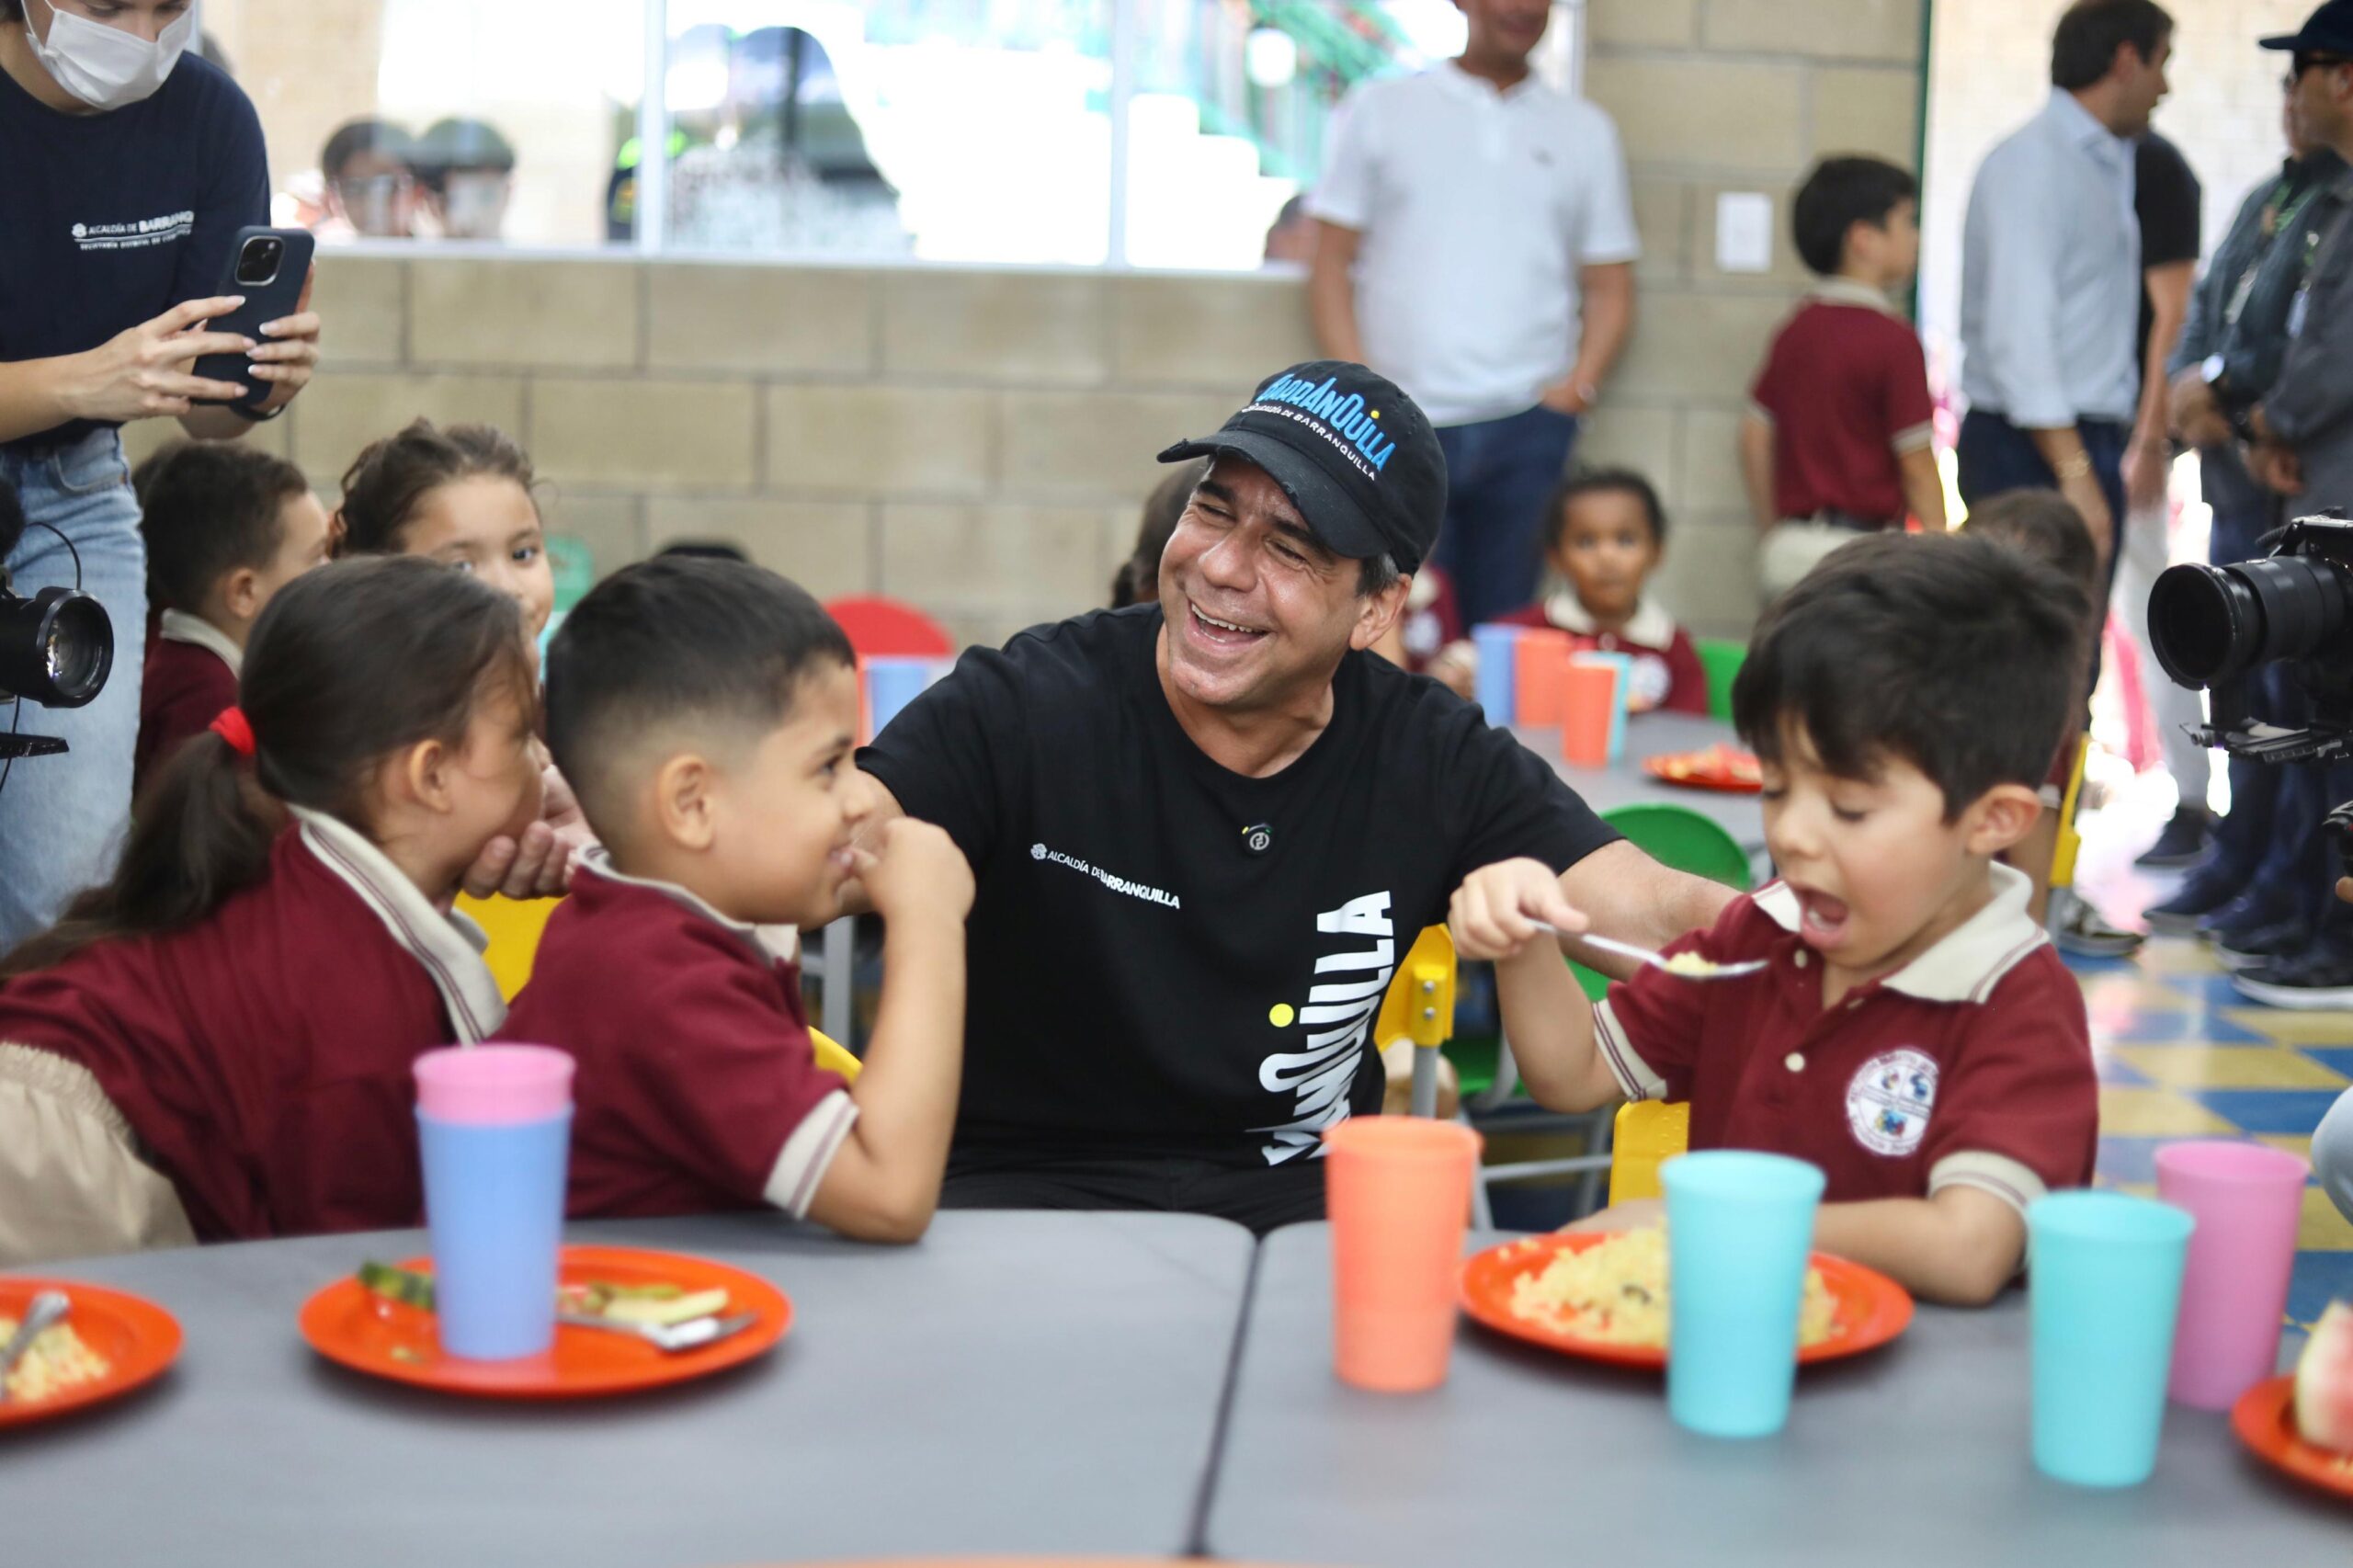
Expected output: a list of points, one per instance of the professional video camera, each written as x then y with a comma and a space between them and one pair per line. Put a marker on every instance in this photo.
2212, 625
56, 648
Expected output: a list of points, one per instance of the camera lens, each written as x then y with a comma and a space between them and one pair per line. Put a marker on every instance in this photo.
2208, 623
258, 263
56, 648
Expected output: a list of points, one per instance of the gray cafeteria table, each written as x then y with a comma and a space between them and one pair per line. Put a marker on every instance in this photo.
1912, 1457
1625, 784
1015, 1382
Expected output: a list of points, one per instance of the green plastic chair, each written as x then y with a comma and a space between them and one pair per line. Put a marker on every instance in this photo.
1721, 658
1679, 837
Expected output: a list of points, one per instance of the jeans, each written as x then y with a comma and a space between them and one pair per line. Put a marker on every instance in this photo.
61, 818
1995, 455
1498, 474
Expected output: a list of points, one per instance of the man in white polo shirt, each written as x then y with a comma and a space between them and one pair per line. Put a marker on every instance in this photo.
1475, 244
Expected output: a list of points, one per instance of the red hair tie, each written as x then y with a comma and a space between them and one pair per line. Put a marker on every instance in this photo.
234, 728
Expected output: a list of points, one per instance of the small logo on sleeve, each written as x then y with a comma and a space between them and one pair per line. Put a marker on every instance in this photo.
1889, 1099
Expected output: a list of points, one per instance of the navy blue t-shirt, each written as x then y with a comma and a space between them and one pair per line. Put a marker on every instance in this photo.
110, 219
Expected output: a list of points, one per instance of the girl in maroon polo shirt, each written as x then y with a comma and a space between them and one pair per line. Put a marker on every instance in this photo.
1605, 535
218, 1041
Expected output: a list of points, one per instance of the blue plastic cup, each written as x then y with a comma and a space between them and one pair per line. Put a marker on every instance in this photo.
1495, 661
494, 1122
494, 1203
2104, 1286
892, 684
1739, 1232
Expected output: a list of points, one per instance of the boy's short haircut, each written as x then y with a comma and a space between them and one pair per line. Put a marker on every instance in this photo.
1603, 482
2042, 525
715, 651
1957, 654
207, 508
1839, 194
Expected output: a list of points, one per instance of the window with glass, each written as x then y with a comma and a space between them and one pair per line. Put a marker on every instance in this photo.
1165, 133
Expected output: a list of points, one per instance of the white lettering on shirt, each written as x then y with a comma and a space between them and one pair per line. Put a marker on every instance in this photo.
1117, 885
166, 230
1338, 1016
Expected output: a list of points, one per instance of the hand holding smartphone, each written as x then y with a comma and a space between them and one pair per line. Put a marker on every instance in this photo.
268, 267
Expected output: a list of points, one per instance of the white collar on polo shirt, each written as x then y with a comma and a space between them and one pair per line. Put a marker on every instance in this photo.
771, 942
1973, 957
448, 945
1452, 74
1847, 292
178, 626
1651, 628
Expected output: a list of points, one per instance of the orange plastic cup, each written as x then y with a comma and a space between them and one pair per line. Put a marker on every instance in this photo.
1588, 712
1541, 662
1399, 1191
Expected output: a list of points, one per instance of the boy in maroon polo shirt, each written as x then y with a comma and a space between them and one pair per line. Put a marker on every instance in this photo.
226, 528
1912, 1033
705, 712
1836, 440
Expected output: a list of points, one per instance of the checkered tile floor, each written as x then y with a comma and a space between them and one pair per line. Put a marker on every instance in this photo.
2182, 1055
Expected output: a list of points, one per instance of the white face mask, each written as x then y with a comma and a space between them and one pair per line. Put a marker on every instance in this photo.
106, 67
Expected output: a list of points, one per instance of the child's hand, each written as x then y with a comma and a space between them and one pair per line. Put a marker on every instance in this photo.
1495, 910
1456, 667
1634, 1214
917, 870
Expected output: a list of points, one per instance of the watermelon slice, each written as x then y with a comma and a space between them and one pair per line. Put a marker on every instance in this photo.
2325, 1382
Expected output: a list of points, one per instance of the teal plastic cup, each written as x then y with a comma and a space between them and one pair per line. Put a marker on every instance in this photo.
1739, 1231
2103, 1290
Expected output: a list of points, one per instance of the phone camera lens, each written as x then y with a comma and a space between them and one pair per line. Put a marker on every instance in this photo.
258, 264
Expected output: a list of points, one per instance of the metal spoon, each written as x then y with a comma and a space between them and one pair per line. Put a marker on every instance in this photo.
47, 1309
1644, 955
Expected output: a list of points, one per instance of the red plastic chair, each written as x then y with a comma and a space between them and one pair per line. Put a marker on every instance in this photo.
881, 628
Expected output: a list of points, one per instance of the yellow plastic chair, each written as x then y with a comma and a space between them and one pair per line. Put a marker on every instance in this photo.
2062, 855
1419, 1006
1646, 1135
516, 925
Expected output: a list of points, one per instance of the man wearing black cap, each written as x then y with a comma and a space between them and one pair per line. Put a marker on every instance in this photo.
2301, 448
1206, 830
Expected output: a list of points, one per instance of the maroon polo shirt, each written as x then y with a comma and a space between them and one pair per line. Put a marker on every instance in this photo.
1668, 673
1846, 389
182, 689
698, 1087
1969, 1066
262, 1055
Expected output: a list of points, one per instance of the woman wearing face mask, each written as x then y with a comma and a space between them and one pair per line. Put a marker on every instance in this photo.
131, 164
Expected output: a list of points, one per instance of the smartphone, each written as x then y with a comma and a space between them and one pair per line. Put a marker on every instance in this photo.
267, 266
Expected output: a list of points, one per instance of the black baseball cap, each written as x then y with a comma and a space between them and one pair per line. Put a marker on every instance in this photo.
2327, 30
1356, 456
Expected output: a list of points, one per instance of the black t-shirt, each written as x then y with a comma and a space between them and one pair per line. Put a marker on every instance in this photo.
2166, 199
1142, 982
110, 219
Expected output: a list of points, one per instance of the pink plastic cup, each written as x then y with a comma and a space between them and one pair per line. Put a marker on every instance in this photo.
2247, 1201
1399, 1191
492, 1085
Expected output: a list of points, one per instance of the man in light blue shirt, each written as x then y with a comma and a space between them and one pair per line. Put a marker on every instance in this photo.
2051, 274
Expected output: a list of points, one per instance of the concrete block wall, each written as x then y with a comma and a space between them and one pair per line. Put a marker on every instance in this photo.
1711, 96
977, 443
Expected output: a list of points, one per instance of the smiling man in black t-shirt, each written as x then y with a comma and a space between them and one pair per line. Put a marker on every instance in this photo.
1206, 831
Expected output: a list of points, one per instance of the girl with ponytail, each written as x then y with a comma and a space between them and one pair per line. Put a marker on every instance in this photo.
216, 1044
